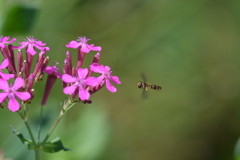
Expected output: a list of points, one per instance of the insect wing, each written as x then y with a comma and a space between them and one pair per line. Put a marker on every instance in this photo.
145, 94
143, 77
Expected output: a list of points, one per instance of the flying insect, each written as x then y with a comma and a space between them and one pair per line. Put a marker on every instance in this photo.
146, 86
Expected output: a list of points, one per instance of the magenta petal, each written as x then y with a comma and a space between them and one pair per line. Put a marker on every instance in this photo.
2, 45
70, 89
13, 40
19, 82
68, 79
48, 70
4, 64
110, 87
31, 50
13, 104
83, 94
115, 79
5, 39
100, 79
73, 44
107, 69
40, 48
82, 73
96, 48
47, 48
91, 81
23, 95
3, 84
85, 48
6, 76
59, 75
24, 44
95, 67
40, 43
3, 96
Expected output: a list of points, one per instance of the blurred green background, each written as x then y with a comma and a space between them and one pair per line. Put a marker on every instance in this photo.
190, 48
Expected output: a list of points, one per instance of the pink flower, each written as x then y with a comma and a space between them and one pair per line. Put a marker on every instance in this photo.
80, 82
106, 76
30, 43
11, 92
53, 74
4, 40
4, 75
84, 46
53, 69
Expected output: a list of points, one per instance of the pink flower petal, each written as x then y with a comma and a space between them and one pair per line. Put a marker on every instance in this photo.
47, 48
3, 84
85, 48
70, 89
6, 76
13, 104
82, 73
115, 79
100, 79
96, 48
24, 44
59, 75
31, 50
83, 94
40, 43
110, 87
48, 70
4, 64
91, 81
95, 67
40, 48
3, 96
2, 45
13, 40
107, 69
19, 82
68, 79
23, 95
73, 44
5, 39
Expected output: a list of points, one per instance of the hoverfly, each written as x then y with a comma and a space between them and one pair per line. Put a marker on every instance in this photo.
145, 86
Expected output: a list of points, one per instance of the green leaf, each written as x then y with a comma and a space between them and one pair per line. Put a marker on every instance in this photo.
26, 142
19, 20
54, 146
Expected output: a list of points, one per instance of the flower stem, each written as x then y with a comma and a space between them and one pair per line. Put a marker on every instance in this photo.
28, 127
40, 122
53, 127
66, 106
37, 154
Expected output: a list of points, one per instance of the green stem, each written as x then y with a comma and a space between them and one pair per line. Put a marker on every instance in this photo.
66, 106
28, 128
37, 154
40, 122
53, 127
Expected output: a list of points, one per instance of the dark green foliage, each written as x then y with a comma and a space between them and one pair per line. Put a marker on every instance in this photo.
19, 20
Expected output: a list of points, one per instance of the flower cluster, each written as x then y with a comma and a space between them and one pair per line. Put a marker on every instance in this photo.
76, 80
